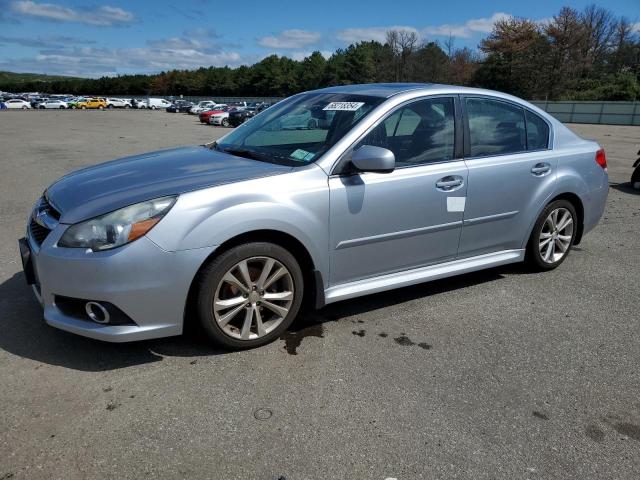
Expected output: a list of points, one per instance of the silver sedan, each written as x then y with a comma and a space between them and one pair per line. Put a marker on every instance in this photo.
389, 186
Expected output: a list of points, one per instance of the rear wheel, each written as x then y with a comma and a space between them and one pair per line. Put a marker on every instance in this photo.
61, 107
249, 295
552, 236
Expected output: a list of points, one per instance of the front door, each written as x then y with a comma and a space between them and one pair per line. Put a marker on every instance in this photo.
388, 222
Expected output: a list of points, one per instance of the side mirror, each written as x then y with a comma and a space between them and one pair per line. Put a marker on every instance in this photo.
373, 159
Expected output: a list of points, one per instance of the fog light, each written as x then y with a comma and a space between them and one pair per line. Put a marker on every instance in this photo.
97, 312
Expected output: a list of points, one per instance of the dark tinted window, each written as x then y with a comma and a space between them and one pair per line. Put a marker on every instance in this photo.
495, 127
422, 132
537, 132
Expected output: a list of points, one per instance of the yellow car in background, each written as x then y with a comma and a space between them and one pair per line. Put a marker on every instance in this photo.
99, 103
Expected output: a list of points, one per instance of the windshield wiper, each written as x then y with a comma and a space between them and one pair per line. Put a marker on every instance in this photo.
241, 152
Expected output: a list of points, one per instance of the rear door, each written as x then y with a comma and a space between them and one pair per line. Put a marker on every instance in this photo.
511, 169
388, 222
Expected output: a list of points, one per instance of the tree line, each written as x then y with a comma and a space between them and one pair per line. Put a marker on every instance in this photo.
577, 55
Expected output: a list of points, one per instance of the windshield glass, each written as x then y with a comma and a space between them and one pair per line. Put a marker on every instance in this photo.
297, 131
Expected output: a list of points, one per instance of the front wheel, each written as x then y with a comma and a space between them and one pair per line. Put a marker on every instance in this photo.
225, 122
249, 295
552, 236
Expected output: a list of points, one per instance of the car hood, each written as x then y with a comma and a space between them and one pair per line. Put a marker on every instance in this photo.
100, 189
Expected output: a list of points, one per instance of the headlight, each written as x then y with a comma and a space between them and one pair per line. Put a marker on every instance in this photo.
117, 228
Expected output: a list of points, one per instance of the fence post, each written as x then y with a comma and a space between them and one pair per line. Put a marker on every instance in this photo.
600, 115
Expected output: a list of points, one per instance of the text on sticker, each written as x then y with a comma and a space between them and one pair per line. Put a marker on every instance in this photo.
344, 106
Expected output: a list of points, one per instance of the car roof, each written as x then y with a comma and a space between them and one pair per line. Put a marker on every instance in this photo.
386, 90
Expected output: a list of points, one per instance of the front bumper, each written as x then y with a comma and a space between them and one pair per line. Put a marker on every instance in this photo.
150, 285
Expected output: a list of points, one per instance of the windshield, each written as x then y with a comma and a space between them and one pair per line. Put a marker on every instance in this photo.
297, 131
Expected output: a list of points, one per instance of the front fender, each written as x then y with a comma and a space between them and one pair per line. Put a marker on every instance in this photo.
296, 204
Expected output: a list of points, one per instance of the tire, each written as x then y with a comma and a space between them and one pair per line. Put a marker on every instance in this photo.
126, 106
110, 107
548, 247
61, 107
24, 107
100, 107
226, 328
83, 107
225, 122
153, 107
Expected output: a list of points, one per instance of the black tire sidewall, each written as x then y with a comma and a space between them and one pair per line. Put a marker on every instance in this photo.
212, 274
533, 252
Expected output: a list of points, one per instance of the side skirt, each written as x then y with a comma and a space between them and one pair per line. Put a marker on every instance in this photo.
422, 274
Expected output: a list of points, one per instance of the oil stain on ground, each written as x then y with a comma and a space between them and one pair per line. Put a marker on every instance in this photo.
407, 342
293, 338
594, 432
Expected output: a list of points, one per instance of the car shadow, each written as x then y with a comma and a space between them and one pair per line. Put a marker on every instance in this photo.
625, 188
24, 333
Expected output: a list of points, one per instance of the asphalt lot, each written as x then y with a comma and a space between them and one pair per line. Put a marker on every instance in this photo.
499, 374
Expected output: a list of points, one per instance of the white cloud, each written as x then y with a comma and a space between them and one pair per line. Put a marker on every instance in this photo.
101, 16
299, 56
379, 34
635, 27
466, 29
294, 38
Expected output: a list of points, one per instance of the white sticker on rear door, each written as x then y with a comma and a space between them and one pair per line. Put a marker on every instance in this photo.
344, 106
456, 204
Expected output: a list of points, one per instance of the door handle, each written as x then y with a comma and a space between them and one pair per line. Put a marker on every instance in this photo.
540, 169
449, 183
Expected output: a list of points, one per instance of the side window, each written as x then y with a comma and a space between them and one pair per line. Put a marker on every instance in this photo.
537, 132
419, 133
495, 127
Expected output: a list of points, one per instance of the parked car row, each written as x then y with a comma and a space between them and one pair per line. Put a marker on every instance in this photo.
209, 111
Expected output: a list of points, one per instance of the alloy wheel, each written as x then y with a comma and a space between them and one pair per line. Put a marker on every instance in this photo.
253, 298
556, 235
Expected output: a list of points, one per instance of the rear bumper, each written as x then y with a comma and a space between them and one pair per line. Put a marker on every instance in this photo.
594, 205
148, 284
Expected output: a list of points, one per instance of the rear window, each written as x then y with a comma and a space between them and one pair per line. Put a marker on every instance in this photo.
495, 127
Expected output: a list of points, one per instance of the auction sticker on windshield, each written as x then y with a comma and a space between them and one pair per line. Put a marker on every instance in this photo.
344, 106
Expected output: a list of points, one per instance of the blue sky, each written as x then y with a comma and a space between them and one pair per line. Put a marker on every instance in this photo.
110, 37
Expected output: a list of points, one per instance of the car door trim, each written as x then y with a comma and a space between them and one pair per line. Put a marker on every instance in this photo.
422, 274
490, 218
356, 242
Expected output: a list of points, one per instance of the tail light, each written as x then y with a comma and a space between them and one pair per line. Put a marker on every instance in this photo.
601, 158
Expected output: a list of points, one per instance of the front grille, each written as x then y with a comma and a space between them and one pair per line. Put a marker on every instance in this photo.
37, 232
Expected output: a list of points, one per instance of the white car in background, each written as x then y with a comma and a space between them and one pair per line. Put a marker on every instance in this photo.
18, 103
59, 104
202, 106
118, 103
154, 103
220, 119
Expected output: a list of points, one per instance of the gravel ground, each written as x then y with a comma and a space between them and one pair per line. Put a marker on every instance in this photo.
499, 374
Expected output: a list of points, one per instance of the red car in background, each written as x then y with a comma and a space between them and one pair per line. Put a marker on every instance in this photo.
206, 115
